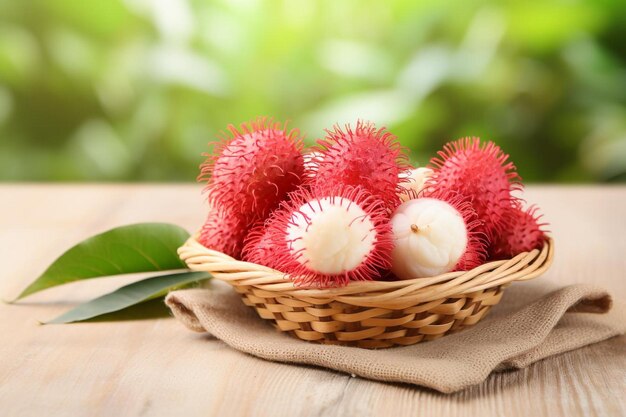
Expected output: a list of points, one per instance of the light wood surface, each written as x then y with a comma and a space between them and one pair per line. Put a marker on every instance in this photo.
157, 368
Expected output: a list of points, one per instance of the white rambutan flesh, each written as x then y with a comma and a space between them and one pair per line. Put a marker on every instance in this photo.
331, 235
430, 238
413, 182
311, 161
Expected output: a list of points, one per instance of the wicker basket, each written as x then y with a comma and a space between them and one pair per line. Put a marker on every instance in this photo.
372, 314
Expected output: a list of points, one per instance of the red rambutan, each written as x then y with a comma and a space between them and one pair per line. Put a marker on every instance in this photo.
364, 156
224, 231
254, 170
522, 232
328, 236
437, 234
257, 247
479, 172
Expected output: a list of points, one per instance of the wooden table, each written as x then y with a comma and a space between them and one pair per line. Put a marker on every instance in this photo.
158, 368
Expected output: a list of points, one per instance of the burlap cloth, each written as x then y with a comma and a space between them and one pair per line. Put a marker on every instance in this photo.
531, 322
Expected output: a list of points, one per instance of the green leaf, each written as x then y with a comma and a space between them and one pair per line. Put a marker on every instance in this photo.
130, 295
146, 310
143, 247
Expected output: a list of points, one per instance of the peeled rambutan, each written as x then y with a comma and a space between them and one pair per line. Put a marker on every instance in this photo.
329, 236
365, 156
435, 235
224, 231
522, 232
480, 172
253, 171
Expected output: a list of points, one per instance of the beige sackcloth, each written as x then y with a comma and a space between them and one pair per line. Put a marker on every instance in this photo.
533, 321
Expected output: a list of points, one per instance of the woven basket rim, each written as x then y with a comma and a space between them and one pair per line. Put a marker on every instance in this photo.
524, 266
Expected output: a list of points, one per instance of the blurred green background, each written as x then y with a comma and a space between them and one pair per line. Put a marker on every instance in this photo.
134, 90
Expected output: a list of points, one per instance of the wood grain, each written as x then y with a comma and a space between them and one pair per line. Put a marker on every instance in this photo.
157, 368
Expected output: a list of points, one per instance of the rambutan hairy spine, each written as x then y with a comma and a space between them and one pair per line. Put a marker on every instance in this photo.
523, 232
258, 246
224, 231
365, 155
481, 173
254, 168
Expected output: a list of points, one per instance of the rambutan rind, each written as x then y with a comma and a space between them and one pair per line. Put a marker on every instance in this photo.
522, 232
304, 213
224, 231
254, 169
364, 156
258, 246
481, 173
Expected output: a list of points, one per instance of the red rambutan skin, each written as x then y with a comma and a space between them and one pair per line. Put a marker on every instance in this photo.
522, 232
282, 258
364, 156
224, 231
252, 171
257, 247
480, 173
476, 250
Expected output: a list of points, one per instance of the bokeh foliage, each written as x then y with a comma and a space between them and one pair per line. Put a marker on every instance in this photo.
135, 89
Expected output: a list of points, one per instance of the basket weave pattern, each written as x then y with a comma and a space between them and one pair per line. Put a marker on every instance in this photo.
372, 314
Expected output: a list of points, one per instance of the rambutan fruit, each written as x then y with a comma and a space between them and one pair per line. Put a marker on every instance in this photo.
257, 247
522, 232
413, 181
254, 169
480, 172
329, 236
224, 231
435, 235
365, 156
